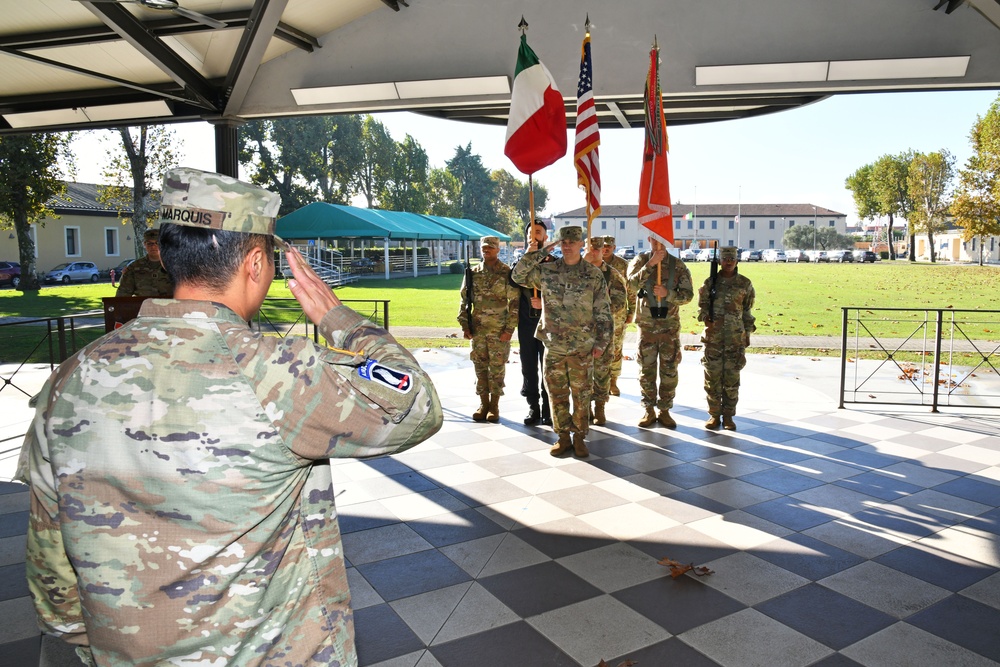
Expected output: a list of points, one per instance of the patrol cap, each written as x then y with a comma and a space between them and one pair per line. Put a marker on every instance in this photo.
203, 199
596, 242
570, 233
729, 252
151, 234
491, 241
609, 240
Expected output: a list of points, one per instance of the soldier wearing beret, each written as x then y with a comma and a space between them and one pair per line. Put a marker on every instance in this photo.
488, 317
617, 295
576, 327
621, 265
146, 275
182, 505
725, 305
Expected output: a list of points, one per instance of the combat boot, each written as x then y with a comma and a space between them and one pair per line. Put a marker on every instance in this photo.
546, 412
599, 418
579, 448
648, 419
484, 408
666, 419
493, 413
614, 390
728, 423
562, 445
534, 415
713, 423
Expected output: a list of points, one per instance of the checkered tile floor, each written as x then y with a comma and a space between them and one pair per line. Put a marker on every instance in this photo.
837, 537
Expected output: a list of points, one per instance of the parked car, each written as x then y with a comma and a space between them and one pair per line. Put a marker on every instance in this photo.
70, 271
839, 256
119, 269
626, 252
689, 255
863, 256
773, 255
796, 256
706, 254
10, 274
750, 256
819, 256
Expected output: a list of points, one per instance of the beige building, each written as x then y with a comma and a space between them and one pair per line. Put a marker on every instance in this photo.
85, 230
949, 247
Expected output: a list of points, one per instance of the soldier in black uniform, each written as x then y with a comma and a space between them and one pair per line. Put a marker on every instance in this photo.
529, 313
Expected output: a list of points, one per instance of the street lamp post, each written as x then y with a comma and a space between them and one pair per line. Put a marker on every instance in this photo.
814, 229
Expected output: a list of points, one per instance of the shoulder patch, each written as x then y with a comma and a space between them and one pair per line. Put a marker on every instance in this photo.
390, 377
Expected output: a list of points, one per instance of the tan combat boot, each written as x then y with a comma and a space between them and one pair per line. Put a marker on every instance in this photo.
648, 419
666, 419
728, 423
614, 390
484, 407
713, 423
579, 448
493, 412
562, 445
599, 418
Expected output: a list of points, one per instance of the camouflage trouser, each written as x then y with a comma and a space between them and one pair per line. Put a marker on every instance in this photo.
658, 353
569, 373
616, 346
602, 375
723, 364
489, 357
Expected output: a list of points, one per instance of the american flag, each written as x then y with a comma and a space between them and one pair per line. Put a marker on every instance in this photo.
588, 138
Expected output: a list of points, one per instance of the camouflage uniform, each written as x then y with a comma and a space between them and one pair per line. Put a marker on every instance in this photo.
494, 312
659, 338
144, 277
618, 295
621, 265
725, 347
182, 508
576, 318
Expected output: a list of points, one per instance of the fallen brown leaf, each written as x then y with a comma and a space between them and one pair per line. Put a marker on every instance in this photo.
677, 568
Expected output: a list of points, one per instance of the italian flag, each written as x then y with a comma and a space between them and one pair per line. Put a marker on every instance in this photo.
536, 127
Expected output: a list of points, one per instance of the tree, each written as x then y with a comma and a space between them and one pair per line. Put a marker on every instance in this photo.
512, 202
976, 207
443, 194
134, 171
804, 237
478, 191
336, 157
929, 180
280, 155
32, 176
375, 165
880, 189
406, 187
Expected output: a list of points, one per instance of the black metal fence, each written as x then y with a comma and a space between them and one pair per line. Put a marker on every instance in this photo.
935, 357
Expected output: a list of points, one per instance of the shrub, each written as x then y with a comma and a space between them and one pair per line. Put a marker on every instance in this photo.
456, 267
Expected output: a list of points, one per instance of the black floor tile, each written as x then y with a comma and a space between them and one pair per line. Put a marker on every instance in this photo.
380, 634
988, 521
779, 455
534, 590
687, 475
822, 561
836, 660
698, 500
826, 616
614, 446
964, 622
13, 582
511, 645
863, 458
891, 518
678, 604
559, 544
768, 433
885, 487
972, 489
13, 523
610, 467
671, 652
690, 451
403, 576
22, 653
470, 526
352, 519
781, 481
948, 571
844, 441
788, 512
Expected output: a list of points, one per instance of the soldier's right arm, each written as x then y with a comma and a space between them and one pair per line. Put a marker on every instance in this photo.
526, 272
463, 313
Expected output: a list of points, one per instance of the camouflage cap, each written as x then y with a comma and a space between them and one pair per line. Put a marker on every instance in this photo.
729, 252
151, 234
596, 242
490, 241
203, 199
609, 240
569, 233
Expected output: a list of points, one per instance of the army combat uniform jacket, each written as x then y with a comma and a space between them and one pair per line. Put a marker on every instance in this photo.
182, 507
144, 277
674, 276
494, 301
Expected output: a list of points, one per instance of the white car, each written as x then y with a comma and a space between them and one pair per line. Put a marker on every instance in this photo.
772, 255
706, 255
689, 255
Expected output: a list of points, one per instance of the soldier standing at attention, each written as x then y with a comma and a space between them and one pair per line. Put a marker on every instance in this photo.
488, 316
724, 306
621, 265
576, 327
663, 284
146, 275
617, 294
182, 505
529, 314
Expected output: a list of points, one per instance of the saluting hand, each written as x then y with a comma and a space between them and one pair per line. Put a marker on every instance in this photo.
315, 296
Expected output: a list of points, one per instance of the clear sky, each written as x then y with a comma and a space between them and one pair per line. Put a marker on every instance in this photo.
798, 156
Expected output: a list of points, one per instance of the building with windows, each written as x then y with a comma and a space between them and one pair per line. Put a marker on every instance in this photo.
748, 226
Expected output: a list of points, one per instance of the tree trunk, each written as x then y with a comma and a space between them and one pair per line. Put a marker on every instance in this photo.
930, 245
913, 250
889, 239
981, 239
26, 252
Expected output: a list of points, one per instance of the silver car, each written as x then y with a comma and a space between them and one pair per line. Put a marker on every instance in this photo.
70, 271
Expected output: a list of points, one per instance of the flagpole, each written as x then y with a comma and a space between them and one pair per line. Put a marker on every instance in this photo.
739, 220
531, 217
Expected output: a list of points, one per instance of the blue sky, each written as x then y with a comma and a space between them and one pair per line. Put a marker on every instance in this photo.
798, 156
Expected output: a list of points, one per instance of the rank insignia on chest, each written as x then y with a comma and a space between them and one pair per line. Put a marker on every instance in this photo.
390, 377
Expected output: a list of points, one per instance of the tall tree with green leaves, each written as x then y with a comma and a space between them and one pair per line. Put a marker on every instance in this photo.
138, 158
32, 175
406, 187
336, 157
890, 185
444, 194
281, 156
929, 183
375, 166
478, 190
512, 202
976, 207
